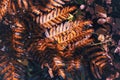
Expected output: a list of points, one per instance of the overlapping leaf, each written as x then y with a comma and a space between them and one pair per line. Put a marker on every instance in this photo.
11, 69
54, 17
70, 32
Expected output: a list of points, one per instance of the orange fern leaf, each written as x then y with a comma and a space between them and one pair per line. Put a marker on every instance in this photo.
100, 61
70, 32
11, 69
19, 33
3, 8
48, 5
66, 27
56, 16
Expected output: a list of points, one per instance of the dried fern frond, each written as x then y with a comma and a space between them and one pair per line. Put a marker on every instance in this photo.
35, 10
62, 67
57, 65
70, 32
58, 30
19, 6
3, 8
19, 34
100, 62
54, 17
64, 27
11, 69
71, 37
47, 55
48, 5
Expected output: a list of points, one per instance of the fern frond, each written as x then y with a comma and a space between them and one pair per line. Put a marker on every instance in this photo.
42, 55
63, 28
11, 69
54, 17
18, 7
83, 42
62, 67
100, 62
59, 29
70, 32
17, 36
35, 10
73, 36
3, 8
48, 5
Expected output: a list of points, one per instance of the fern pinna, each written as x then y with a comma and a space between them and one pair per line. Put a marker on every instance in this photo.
100, 62
44, 33
55, 16
10, 68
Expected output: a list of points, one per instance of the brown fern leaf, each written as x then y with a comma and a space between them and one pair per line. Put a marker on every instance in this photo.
48, 5
70, 32
74, 63
84, 42
11, 69
3, 8
64, 27
60, 66
100, 62
51, 59
57, 65
54, 17
18, 36
16, 7
73, 36
35, 10
42, 56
